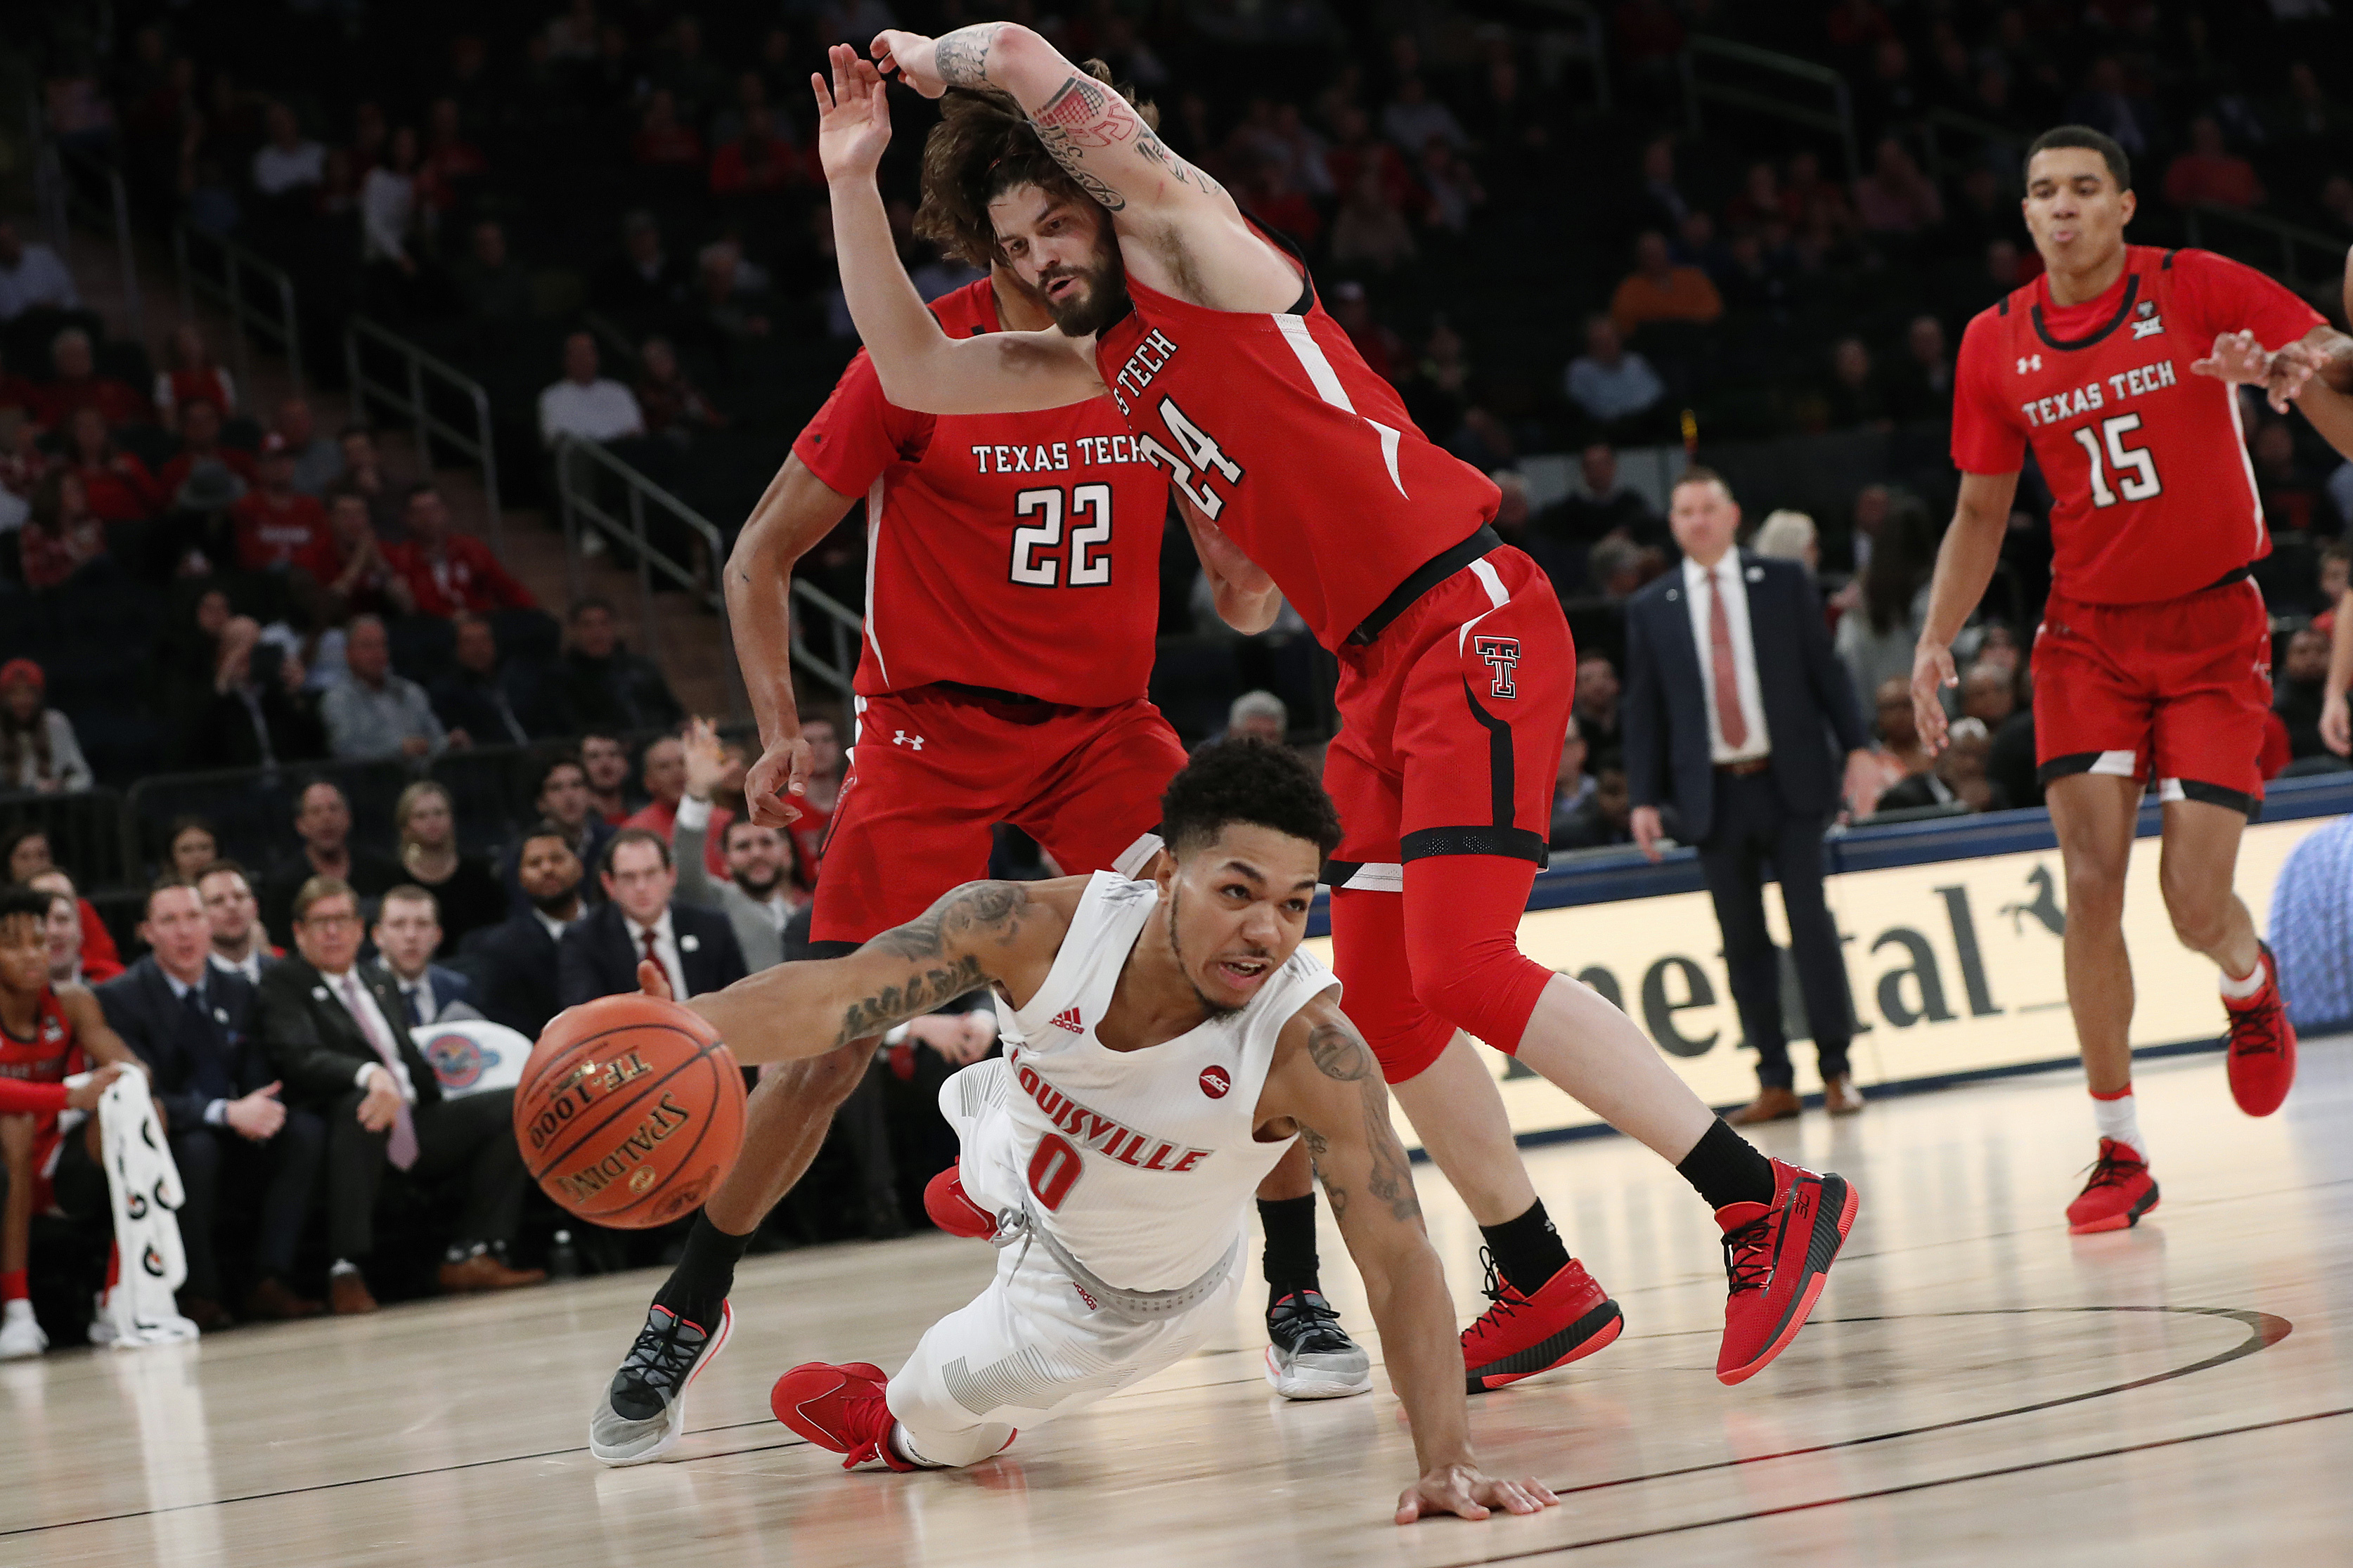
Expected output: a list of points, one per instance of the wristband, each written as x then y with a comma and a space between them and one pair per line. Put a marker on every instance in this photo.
896, 1035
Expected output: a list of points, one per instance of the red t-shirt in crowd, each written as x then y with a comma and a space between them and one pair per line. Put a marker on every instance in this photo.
2154, 495
659, 818
121, 489
464, 575
278, 531
1014, 550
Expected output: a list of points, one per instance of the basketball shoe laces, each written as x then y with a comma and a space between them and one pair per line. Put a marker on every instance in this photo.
1748, 1253
658, 1365
2255, 1030
1307, 1324
1507, 1299
2113, 1170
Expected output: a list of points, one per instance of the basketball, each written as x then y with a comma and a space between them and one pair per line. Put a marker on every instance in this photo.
629, 1111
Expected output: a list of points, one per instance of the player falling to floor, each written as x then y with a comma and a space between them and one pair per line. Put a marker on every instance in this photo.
1012, 600
2152, 666
56, 1053
1167, 1043
1456, 667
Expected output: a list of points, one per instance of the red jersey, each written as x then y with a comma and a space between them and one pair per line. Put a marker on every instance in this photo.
1274, 425
1014, 550
465, 576
33, 1072
278, 531
2154, 495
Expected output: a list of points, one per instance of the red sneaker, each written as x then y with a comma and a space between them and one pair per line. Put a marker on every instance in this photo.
840, 1408
2121, 1190
2262, 1045
1778, 1257
951, 1208
1520, 1336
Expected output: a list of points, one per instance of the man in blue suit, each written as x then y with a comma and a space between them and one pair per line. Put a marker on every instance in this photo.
1734, 703
407, 931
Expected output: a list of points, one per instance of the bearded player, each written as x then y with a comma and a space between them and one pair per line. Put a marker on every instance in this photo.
1012, 601
1456, 668
2152, 666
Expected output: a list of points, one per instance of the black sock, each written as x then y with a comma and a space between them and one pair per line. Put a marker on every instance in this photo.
1728, 1169
1290, 1256
1528, 1250
704, 1275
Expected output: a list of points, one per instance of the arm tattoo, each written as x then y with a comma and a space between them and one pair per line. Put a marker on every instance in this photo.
938, 944
995, 908
962, 58
1085, 115
1392, 1178
1339, 1053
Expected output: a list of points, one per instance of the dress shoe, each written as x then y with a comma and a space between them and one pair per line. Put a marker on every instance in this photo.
1770, 1105
272, 1300
208, 1315
482, 1271
1840, 1096
347, 1293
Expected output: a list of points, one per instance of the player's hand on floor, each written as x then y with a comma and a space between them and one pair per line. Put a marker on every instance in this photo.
1463, 1491
775, 785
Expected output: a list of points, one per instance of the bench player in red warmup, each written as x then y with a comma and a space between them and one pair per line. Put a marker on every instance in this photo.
1012, 599
1456, 668
2152, 666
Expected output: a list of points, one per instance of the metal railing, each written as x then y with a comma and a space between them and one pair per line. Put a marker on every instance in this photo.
409, 399
1838, 120
229, 286
2294, 240
1591, 45
113, 212
586, 474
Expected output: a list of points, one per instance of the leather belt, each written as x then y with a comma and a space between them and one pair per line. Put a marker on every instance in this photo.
1421, 580
1743, 769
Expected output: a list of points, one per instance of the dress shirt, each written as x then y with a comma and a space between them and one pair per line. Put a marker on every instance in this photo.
1613, 391
603, 410
419, 994
366, 722
393, 1034
215, 1111
250, 965
1699, 586
547, 923
665, 950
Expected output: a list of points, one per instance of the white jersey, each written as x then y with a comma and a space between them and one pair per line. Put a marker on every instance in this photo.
1140, 1164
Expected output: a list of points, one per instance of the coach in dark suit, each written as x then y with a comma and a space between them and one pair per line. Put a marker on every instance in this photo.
640, 920
241, 1151
407, 933
1741, 746
330, 1026
514, 963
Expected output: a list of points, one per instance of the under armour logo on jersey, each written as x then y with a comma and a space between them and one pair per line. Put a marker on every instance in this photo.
1068, 1018
2029, 361
1503, 655
901, 738
2149, 328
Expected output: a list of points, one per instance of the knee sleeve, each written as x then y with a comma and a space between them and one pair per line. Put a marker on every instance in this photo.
1461, 941
1377, 989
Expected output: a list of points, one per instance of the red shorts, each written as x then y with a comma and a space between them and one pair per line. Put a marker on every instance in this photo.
1452, 724
935, 770
2173, 692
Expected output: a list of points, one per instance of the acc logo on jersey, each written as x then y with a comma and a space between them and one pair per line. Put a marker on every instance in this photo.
1216, 1081
1503, 656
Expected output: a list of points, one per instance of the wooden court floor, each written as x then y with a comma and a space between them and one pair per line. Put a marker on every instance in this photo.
1976, 1388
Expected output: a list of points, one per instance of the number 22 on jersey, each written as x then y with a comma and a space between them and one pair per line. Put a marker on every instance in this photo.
1049, 505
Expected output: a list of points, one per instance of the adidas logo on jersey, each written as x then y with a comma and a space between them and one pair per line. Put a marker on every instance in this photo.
1068, 1018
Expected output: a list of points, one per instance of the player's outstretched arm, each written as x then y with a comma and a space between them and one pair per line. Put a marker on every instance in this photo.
1247, 598
979, 934
797, 510
920, 366
1324, 1078
1965, 564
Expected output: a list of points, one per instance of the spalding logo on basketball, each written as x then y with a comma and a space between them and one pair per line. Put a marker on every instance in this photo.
1216, 1081
629, 1111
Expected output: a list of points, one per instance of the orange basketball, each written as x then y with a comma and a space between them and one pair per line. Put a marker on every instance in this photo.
629, 1110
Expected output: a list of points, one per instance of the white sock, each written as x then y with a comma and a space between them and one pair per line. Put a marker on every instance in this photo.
2240, 990
19, 1309
2119, 1119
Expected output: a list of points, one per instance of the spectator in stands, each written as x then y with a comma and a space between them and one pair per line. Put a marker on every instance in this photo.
70, 963
517, 962
194, 373
388, 218
288, 165
2301, 686
1920, 387
1877, 636
1413, 118
371, 711
828, 762
1989, 693
38, 750
1604, 819
259, 714
1572, 787
563, 802
757, 161
32, 277
762, 890
661, 138
662, 772
489, 283
446, 571
407, 933
1596, 707
234, 916
605, 764
323, 820
1659, 201
638, 919
1259, 713
1787, 535
1957, 777
200, 442
190, 847
1853, 396
1454, 190
1895, 197
489, 704
364, 476
673, 405
351, 566
240, 1154
2209, 173
448, 157
118, 486
317, 462
1659, 291
609, 689
1603, 504
61, 536
1369, 230
1609, 380
467, 892
643, 279
277, 525
76, 383
327, 1024
586, 405
25, 853
1899, 753
1615, 566
726, 292
1816, 207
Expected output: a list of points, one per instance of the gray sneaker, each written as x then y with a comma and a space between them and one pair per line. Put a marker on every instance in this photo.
1309, 1356
643, 1413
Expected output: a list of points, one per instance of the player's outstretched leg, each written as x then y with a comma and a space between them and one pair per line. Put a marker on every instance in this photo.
2199, 860
642, 1414
1308, 1354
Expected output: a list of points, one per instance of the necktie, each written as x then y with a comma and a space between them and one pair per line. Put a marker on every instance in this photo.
413, 994
1729, 717
647, 938
401, 1150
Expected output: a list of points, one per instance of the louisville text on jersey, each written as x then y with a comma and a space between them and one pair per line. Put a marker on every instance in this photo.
1093, 1130
2083, 399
